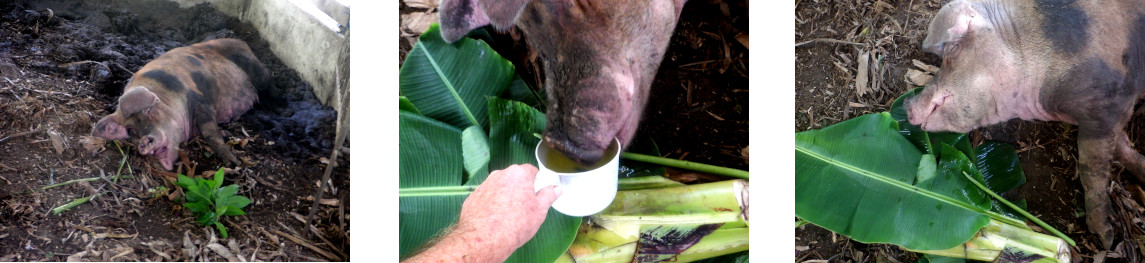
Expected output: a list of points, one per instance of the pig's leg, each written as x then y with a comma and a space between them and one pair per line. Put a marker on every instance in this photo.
1130, 159
1093, 169
209, 129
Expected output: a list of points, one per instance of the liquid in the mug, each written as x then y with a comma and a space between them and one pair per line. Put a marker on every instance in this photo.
557, 162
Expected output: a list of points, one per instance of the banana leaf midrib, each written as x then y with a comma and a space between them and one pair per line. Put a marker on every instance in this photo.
435, 191
444, 79
904, 186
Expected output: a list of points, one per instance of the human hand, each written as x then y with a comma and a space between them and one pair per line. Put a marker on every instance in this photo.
505, 206
497, 218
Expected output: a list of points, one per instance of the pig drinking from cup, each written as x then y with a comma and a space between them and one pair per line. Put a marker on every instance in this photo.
185, 91
599, 58
1079, 62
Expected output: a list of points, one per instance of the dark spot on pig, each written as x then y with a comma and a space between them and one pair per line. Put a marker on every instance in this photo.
206, 85
1014, 94
1092, 93
169, 82
195, 61
1134, 58
456, 14
1065, 24
253, 69
198, 56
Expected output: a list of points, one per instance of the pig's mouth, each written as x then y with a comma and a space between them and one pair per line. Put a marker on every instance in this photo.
581, 153
159, 147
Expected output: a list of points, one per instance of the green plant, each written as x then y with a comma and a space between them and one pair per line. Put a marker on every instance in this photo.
879, 179
209, 202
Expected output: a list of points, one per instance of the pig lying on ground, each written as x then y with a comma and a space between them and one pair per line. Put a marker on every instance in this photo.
1079, 62
599, 59
185, 91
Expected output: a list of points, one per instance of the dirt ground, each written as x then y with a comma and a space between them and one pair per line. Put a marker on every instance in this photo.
63, 64
832, 36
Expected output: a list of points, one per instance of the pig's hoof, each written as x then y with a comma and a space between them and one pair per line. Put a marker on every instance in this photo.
1104, 233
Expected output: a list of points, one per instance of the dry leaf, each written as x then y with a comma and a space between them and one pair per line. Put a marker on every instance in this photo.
925, 67
93, 145
743, 153
742, 38
917, 78
419, 22
862, 76
57, 141
426, 4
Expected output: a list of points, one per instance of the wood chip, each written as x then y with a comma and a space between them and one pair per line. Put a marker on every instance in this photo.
714, 115
857, 105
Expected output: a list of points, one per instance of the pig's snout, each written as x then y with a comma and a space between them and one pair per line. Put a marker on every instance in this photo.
920, 109
580, 152
157, 145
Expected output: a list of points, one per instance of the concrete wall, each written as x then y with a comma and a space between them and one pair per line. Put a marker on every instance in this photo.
301, 39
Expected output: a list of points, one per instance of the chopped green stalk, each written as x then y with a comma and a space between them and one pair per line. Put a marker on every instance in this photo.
997, 237
1020, 211
645, 182
801, 222
699, 167
73, 203
619, 227
82, 179
719, 242
718, 202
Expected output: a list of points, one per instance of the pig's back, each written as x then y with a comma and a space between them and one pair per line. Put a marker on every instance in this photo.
221, 74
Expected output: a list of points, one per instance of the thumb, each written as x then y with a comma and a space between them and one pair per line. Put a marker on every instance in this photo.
548, 195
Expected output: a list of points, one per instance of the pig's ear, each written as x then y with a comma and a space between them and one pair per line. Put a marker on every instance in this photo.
136, 99
110, 127
950, 24
458, 17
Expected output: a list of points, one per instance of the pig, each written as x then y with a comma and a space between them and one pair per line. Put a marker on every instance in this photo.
186, 91
599, 59
1079, 62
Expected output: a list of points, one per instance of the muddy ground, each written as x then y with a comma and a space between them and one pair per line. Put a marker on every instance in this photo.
62, 66
830, 38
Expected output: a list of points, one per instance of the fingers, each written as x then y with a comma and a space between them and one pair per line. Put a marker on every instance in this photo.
547, 196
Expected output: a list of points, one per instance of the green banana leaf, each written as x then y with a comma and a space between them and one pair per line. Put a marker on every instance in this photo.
406, 105
428, 147
861, 178
512, 141
449, 81
998, 162
445, 154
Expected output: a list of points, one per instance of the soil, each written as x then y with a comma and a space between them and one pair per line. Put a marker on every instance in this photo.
826, 93
63, 65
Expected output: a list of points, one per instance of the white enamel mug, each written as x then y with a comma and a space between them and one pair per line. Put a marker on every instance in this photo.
586, 190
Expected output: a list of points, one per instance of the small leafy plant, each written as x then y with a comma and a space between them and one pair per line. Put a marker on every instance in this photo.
209, 202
